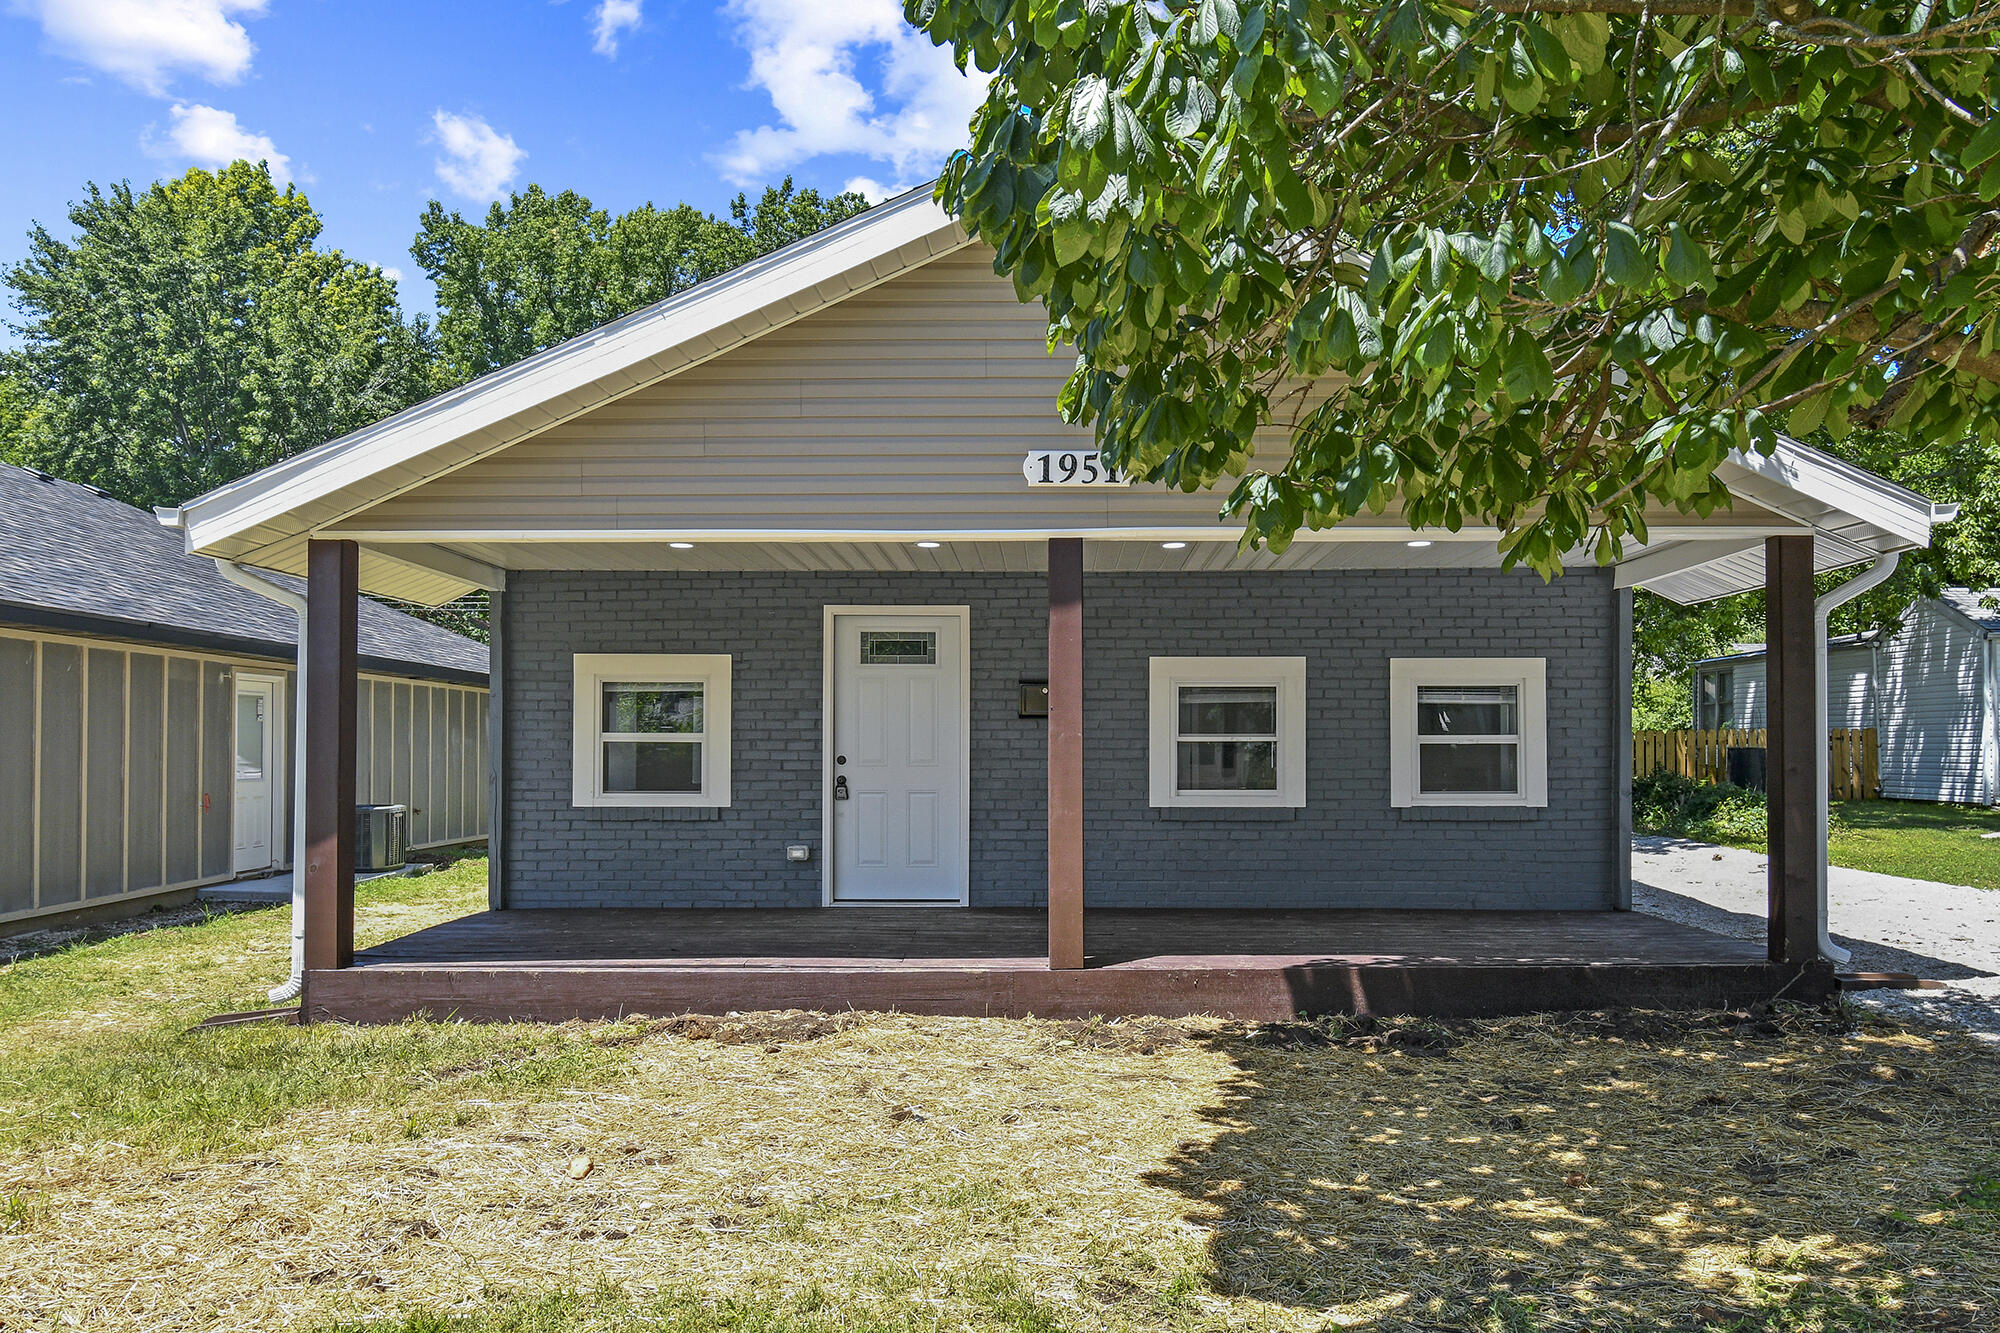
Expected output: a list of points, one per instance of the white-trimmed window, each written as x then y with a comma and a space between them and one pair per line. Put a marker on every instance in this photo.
1468, 731
651, 729
1228, 731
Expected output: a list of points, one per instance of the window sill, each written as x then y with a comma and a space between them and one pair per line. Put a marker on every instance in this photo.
1470, 814
1235, 814
663, 813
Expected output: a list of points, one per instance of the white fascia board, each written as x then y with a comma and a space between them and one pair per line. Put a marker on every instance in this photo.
1897, 511
798, 280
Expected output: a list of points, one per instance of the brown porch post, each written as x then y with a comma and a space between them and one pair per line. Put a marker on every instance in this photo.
1065, 752
1792, 769
332, 583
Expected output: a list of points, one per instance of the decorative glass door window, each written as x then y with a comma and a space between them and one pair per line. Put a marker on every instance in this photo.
889, 648
653, 735
1226, 738
1469, 739
651, 729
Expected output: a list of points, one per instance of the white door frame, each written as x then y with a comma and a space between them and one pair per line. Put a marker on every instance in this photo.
962, 614
280, 772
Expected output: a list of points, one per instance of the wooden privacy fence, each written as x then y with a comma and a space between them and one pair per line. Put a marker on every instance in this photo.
1704, 756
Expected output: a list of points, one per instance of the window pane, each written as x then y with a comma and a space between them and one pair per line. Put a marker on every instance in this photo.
1229, 710
652, 766
1468, 769
1227, 766
669, 709
887, 648
1487, 710
250, 732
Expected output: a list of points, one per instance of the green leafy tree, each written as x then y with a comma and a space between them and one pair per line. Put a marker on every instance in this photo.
545, 267
16, 407
192, 332
1539, 264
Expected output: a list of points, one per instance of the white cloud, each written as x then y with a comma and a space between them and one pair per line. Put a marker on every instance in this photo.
144, 42
613, 18
478, 160
815, 61
392, 273
210, 137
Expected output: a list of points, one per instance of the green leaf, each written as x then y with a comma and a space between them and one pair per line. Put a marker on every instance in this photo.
1586, 38
1983, 145
1686, 259
1072, 240
1089, 113
1625, 259
1520, 82
1527, 374
1191, 110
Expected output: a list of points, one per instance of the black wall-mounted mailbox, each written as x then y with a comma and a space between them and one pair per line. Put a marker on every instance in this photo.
1034, 697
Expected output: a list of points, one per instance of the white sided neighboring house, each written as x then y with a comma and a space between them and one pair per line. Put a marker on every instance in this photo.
1931, 690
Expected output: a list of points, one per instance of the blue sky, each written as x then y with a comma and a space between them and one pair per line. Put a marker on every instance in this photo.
375, 108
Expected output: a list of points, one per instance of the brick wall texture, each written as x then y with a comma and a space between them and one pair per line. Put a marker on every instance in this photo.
1346, 848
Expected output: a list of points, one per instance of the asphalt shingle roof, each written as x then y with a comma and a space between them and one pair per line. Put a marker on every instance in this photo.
72, 550
1974, 605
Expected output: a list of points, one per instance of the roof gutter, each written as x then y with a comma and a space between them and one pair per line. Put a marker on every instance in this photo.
1823, 607
250, 581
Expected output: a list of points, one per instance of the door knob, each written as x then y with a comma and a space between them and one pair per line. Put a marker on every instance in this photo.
840, 788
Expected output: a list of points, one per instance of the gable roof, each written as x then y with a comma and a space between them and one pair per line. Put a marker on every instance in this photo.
75, 558
263, 518
266, 519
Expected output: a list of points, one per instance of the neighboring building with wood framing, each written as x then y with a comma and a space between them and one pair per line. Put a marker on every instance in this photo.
830, 669
1931, 690
146, 746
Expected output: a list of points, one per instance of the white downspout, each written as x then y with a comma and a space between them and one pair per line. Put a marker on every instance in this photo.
263, 587
1823, 607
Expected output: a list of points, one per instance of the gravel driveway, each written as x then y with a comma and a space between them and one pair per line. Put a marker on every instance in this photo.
1942, 932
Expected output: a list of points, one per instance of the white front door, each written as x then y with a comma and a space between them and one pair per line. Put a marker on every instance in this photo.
256, 771
897, 776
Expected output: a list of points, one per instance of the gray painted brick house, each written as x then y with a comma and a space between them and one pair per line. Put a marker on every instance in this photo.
805, 597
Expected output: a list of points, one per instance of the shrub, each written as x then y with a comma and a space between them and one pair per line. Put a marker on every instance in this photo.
1669, 803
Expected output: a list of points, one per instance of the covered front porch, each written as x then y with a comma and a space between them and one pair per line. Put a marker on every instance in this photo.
703, 525
553, 965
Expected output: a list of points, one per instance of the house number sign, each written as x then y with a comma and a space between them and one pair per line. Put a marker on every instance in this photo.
1068, 467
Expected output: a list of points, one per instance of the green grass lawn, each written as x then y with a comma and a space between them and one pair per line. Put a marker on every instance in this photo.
1918, 839
876, 1173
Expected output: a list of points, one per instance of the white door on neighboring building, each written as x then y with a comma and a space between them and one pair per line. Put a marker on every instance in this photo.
897, 779
257, 776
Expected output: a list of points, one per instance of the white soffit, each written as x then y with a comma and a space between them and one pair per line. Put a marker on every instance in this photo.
1855, 516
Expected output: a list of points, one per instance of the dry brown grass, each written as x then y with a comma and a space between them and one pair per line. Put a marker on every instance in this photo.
1647, 1172
795, 1173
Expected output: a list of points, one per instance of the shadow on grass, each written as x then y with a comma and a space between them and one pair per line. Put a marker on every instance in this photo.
1623, 1171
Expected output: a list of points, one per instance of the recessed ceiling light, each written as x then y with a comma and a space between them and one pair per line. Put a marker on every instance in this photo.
929, 546
682, 546
1417, 545
1173, 546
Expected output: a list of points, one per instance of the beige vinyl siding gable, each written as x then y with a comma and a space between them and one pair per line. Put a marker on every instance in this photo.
906, 407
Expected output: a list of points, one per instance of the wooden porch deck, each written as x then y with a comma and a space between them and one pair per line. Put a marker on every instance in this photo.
1263, 965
